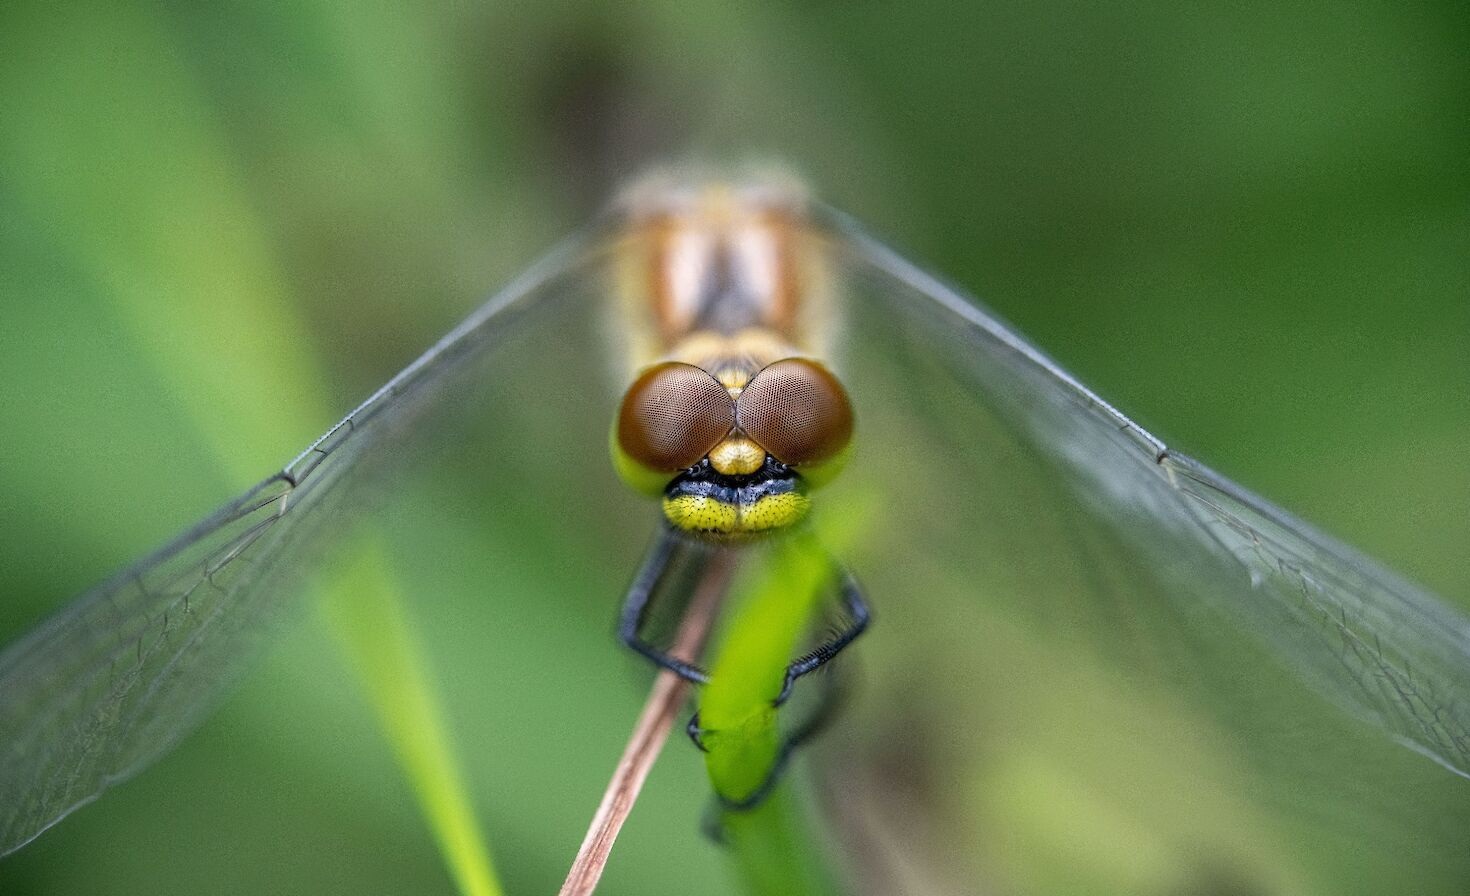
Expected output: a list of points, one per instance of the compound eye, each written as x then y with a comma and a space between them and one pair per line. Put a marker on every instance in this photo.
796, 410
672, 416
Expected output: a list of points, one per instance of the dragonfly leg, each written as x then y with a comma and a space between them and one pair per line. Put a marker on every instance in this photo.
858, 616
696, 733
635, 607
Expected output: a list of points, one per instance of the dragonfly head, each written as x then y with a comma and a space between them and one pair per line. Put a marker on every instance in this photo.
732, 460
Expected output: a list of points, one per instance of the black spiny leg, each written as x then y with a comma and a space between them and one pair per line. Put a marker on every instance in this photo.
857, 609
696, 733
859, 616
635, 605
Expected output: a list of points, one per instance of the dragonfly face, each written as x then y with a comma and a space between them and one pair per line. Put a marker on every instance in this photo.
742, 451
734, 422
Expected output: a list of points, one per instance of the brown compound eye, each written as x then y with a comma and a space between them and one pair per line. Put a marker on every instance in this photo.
672, 416
796, 410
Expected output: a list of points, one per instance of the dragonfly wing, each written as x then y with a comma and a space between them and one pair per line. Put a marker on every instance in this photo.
117, 678
1378, 646
1039, 558
1375, 644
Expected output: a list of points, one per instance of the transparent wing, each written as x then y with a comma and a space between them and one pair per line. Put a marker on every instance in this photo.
1372, 642
1038, 558
115, 679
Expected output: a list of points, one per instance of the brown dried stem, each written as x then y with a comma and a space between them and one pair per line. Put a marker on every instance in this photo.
649, 733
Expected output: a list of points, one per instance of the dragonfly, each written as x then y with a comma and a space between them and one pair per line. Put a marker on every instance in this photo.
777, 367
731, 420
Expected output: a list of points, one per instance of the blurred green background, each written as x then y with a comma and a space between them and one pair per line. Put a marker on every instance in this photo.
1246, 228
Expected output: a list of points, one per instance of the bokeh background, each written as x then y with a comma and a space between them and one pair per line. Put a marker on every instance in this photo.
1246, 227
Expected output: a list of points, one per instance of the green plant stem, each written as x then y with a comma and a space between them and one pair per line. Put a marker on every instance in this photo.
774, 849
368, 619
771, 843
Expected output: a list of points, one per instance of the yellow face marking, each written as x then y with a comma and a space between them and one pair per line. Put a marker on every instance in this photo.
736, 456
774, 512
704, 514
700, 513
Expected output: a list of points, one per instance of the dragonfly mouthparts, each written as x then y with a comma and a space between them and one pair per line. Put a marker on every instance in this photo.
704, 501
